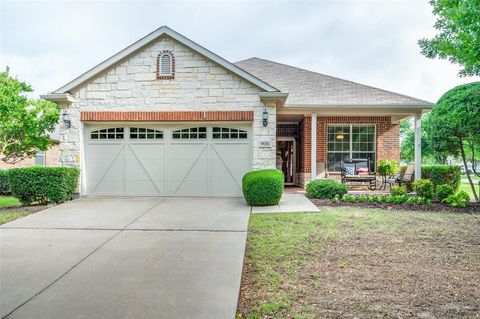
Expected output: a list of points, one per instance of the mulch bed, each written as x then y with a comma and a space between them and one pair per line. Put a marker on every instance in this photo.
472, 208
30, 209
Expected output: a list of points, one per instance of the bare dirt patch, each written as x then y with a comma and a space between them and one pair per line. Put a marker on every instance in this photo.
30, 209
364, 264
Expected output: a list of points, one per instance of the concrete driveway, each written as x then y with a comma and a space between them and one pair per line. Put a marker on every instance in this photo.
125, 258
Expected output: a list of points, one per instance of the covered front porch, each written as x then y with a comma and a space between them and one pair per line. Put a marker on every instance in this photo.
313, 145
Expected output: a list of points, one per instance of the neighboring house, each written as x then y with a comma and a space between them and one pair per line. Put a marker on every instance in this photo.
50, 157
167, 117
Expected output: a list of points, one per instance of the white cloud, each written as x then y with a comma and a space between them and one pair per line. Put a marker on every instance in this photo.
371, 42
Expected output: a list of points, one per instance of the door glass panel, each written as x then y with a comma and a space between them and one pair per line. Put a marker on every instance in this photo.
191, 133
285, 160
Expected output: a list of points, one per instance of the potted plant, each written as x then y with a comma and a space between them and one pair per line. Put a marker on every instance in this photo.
387, 168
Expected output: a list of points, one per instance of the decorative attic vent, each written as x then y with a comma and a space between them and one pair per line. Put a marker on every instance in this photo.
166, 65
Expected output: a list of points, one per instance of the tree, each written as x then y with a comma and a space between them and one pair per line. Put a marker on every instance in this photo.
25, 123
407, 147
455, 125
459, 39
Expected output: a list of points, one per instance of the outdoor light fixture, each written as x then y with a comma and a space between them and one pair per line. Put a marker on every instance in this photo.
265, 117
66, 119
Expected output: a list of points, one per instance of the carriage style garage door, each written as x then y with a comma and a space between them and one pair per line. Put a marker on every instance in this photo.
150, 160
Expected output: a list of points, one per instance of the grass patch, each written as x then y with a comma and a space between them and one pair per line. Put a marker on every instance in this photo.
6, 217
467, 188
8, 201
347, 262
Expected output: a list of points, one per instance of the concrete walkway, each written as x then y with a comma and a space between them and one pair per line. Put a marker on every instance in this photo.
290, 203
125, 258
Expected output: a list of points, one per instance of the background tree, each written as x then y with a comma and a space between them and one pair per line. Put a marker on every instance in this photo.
407, 147
459, 39
455, 125
25, 123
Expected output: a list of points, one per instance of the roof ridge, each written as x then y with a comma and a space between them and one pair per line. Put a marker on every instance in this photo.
337, 78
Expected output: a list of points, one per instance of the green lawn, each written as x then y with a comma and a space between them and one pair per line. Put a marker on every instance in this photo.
7, 201
6, 217
466, 187
348, 262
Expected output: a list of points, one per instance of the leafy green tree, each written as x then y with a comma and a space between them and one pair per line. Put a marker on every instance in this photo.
407, 147
455, 125
25, 123
459, 38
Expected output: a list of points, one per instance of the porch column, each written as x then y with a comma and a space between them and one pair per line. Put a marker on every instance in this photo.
418, 145
313, 142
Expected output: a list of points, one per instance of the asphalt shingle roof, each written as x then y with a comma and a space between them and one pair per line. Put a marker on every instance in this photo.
311, 88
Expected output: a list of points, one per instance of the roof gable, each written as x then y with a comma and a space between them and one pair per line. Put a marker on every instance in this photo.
308, 88
145, 41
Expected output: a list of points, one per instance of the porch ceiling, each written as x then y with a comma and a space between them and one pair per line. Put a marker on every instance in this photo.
294, 118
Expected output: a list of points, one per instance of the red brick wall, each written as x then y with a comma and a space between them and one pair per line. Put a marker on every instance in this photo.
388, 137
168, 116
305, 144
287, 130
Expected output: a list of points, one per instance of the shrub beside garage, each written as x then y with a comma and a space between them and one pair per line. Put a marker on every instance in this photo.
263, 187
43, 185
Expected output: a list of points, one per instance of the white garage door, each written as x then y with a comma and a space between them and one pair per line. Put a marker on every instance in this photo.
193, 160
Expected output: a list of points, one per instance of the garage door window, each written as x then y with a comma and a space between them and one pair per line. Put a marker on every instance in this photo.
227, 133
190, 133
115, 133
142, 133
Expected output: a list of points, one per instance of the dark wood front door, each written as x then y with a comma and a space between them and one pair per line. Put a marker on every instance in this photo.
286, 159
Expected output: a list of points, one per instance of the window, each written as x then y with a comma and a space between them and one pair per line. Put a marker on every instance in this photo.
350, 141
141, 133
166, 65
226, 133
115, 133
40, 158
190, 133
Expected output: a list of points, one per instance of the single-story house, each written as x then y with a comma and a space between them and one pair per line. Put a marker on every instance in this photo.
167, 117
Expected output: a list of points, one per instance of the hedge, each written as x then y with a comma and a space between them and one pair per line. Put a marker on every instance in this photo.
4, 188
326, 189
441, 174
263, 187
424, 188
43, 185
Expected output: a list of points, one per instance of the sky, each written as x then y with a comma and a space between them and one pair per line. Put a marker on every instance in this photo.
48, 44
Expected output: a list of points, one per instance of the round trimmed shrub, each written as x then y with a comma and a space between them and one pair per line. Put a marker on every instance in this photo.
263, 187
444, 191
423, 188
326, 189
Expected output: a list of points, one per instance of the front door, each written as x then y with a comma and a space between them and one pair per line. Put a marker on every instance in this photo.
286, 158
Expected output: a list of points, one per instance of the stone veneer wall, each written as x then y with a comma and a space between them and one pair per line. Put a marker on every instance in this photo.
387, 139
199, 85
